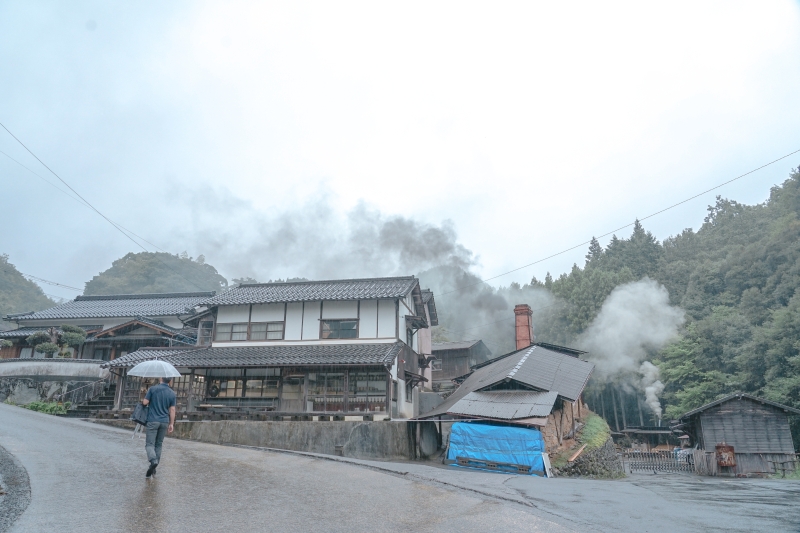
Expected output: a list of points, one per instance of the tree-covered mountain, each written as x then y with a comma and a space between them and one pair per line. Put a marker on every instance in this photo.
737, 278
148, 272
17, 294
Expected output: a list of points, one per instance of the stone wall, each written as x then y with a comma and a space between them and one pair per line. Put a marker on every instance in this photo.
603, 463
22, 391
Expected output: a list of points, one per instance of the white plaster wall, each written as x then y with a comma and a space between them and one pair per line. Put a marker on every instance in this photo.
311, 320
267, 313
368, 322
294, 321
387, 319
311, 342
347, 309
233, 313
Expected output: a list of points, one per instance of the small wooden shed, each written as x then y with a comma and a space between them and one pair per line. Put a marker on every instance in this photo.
757, 429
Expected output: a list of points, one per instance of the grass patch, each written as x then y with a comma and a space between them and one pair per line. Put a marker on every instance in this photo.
49, 408
594, 433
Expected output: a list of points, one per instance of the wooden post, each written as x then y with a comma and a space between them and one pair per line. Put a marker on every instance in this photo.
572, 412
622, 408
119, 392
614, 406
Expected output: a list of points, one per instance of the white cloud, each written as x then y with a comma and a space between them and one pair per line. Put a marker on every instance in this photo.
531, 126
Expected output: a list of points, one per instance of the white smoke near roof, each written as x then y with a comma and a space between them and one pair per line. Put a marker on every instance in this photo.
636, 319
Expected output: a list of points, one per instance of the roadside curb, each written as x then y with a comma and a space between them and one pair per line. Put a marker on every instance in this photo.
15, 481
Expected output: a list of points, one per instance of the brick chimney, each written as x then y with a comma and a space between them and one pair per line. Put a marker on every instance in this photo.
524, 323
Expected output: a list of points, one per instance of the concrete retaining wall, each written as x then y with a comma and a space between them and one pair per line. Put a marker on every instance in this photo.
390, 440
53, 369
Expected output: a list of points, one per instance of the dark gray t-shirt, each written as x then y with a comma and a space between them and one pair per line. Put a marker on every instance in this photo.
161, 398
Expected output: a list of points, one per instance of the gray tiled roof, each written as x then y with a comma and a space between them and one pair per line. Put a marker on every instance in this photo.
507, 405
122, 305
27, 332
343, 289
275, 355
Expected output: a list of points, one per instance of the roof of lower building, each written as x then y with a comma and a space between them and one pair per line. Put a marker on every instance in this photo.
454, 345
298, 291
274, 355
121, 305
506, 405
28, 331
536, 367
739, 396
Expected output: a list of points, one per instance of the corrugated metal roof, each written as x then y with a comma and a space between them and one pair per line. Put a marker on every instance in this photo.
343, 289
739, 396
277, 355
122, 305
455, 345
534, 367
507, 405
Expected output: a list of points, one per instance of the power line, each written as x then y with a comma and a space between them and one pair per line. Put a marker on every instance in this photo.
43, 280
80, 201
51, 282
91, 206
620, 228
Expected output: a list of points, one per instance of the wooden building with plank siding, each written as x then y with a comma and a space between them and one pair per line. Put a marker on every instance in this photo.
758, 430
455, 359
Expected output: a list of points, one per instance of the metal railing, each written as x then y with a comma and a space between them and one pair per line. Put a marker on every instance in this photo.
660, 461
84, 393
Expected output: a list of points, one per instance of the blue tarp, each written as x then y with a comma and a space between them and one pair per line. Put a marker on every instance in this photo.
500, 444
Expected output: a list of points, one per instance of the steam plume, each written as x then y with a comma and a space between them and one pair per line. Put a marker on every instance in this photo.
652, 386
635, 319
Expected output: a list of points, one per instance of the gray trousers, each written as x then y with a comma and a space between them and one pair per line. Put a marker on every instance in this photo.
156, 431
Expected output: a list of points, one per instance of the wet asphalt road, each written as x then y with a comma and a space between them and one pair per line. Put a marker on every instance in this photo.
87, 477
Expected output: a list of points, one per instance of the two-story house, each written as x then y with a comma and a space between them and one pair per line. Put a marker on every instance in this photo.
344, 347
115, 324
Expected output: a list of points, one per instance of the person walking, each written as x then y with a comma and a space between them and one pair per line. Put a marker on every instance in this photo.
160, 421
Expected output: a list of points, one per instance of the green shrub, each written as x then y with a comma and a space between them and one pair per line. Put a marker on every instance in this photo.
49, 408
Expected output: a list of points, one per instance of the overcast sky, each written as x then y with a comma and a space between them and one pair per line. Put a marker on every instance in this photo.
266, 135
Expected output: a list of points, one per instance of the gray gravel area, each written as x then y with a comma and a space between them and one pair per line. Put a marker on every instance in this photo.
15, 489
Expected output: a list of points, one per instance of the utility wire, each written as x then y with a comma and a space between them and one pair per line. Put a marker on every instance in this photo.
91, 206
51, 282
620, 228
80, 201
42, 280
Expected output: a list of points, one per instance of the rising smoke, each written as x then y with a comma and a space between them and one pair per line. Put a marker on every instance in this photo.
318, 241
634, 321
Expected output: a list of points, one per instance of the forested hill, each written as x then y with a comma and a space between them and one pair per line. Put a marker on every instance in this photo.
737, 278
17, 294
147, 272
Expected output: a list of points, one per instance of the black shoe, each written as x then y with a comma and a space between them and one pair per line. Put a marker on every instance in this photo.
150, 471
155, 466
